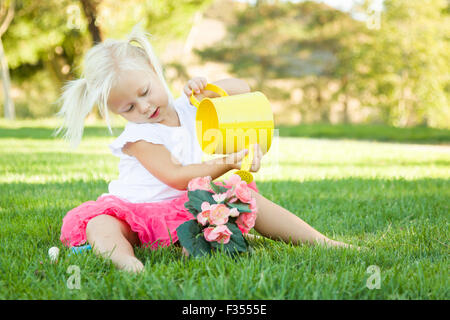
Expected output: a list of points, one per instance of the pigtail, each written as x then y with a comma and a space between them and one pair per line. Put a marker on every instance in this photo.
102, 65
76, 105
138, 35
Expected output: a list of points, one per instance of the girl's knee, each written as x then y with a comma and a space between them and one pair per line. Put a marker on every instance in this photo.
100, 224
96, 222
105, 224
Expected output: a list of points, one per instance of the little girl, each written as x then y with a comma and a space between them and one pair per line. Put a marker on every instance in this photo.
159, 155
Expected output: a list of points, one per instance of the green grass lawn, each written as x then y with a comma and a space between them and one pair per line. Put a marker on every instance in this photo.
368, 132
390, 198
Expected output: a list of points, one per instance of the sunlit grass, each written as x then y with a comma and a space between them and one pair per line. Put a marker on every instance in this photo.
374, 132
390, 198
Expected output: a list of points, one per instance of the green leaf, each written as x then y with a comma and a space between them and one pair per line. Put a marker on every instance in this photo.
237, 243
217, 189
242, 207
196, 198
191, 237
188, 205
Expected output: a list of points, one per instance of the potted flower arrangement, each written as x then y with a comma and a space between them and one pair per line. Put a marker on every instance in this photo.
223, 211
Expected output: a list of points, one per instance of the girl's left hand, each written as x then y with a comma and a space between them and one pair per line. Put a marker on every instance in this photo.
195, 85
235, 159
257, 157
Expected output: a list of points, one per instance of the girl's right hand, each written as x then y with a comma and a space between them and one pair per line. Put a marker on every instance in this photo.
195, 85
235, 159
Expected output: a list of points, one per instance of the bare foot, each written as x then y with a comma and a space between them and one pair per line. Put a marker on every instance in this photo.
130, 264
334, 243
185, 252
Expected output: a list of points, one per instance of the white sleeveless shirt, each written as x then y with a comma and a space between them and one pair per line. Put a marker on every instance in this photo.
135, 183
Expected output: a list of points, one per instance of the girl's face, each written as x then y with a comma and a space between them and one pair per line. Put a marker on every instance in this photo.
140, 97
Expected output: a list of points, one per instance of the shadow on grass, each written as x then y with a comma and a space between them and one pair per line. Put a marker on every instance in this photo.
420, 135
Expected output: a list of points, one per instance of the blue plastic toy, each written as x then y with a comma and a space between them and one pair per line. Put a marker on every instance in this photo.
80, 249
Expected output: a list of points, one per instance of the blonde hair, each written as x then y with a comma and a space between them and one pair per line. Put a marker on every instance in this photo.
103, 64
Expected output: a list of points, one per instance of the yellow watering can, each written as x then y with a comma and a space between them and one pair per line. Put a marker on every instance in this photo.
229, 124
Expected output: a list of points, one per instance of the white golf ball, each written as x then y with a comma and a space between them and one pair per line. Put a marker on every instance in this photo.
53, 253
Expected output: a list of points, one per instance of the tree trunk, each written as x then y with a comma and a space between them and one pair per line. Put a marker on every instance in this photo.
323, 110
9, 109
8, 105
262, 74
402, 103
90, 11
345, 117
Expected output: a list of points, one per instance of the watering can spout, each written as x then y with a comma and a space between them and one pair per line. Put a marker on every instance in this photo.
230, 124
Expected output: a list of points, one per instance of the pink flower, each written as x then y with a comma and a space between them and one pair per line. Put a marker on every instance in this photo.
246, 221
200, 183
243, 192
220, 234
253, 205
234, 199
218, 214
231, 196
205, 206
220, 197
203, 217
232, 180
234, 212
228, 196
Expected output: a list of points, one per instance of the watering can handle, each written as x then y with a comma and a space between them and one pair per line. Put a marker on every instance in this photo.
211, 87
246, 163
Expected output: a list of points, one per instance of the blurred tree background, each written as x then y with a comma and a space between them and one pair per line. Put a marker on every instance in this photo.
315, 63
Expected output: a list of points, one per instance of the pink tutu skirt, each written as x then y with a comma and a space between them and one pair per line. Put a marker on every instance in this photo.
155, 222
